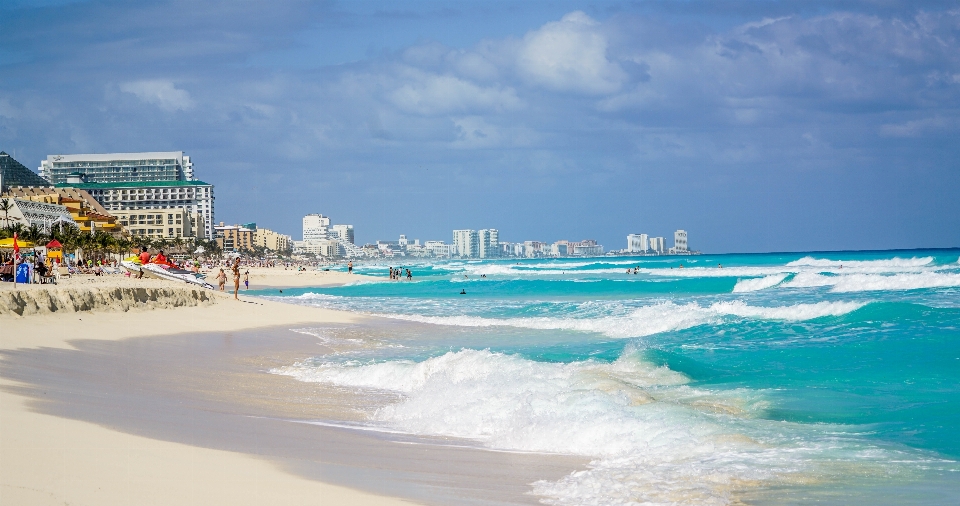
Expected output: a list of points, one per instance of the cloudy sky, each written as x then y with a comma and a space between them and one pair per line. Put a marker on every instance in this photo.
754, 125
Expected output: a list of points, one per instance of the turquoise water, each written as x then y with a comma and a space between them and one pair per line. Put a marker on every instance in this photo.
776, 378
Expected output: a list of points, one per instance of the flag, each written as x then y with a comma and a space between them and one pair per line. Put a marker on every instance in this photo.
16, 249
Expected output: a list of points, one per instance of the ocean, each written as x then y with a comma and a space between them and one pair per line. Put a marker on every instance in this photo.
783, 378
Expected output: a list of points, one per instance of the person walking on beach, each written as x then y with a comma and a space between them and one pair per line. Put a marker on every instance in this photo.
222, 278
236, 278
246, 280
349, 267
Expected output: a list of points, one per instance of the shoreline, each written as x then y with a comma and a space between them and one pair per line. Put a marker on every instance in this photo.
49, 459
67, 440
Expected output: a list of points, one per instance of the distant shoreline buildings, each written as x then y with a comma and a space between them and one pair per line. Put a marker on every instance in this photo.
644, 245
156, 195
323, 239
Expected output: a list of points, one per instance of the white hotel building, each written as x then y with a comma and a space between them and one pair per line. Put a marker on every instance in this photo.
148, 181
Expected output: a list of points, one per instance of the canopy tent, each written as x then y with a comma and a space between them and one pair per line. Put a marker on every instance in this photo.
8, 243
54, 244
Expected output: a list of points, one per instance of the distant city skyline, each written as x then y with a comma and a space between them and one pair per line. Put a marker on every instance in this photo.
755, 125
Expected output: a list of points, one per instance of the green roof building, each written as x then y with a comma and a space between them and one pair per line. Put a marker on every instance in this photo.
196, 197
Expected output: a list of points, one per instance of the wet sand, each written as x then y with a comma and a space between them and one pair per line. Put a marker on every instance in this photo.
212, 390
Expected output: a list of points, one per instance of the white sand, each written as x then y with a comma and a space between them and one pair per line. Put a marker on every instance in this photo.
50, 460
278, 277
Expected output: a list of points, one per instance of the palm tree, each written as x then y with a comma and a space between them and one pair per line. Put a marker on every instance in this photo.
6, 205
178, 244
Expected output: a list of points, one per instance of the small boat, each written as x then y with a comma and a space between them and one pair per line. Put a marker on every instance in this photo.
166, 272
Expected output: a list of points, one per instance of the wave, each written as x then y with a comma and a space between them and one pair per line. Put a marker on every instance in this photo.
872, 282
754, 284
895, 262
875, 282
652, 437
649, 320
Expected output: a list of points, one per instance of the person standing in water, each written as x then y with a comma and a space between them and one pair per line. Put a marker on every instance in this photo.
236, 278
409, 275
349, 267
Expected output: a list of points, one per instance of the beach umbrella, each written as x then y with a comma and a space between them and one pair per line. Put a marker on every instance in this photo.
8, 243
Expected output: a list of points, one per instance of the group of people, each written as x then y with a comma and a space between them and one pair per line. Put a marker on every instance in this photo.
222, 278
398, 273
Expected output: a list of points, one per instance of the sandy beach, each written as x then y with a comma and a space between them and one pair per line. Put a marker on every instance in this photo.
52, 460
172, 405
279, 277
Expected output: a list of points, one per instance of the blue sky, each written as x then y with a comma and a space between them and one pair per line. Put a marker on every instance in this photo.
754, 125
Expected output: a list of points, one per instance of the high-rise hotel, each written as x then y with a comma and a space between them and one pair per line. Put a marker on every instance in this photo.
157, 188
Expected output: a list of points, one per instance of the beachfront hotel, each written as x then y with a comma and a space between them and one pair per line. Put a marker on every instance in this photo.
320, 238
476, 243
119, 167
641, 244
149, 187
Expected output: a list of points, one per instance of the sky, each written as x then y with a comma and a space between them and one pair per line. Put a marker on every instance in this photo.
754, 125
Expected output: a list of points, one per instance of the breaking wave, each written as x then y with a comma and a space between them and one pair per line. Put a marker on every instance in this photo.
652, 438
649, 320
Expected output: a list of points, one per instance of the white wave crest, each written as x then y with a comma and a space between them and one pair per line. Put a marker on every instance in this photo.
875, 282
654, 439
754, 284
895, 262
810, 280
649, 320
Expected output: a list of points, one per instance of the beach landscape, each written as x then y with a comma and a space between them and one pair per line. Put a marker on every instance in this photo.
551, 381
480, 253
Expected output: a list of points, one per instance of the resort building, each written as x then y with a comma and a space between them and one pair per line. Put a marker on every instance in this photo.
440, 249
560, 249
585, 248
344, 233
271, 240
164, 223
466, 243
86, 212
679, 243
535, 249
658, 245
325, 247
234, 237
118, 167
29, 212
637, 243
488, 243
155, 197
315, 227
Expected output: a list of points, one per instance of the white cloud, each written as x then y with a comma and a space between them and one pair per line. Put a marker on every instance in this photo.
913, 128
160, 93
432, 94
570, 55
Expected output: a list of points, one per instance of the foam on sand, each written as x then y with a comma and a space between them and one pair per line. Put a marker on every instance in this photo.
653, 438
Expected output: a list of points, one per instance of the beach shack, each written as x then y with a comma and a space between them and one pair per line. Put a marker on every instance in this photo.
54, 253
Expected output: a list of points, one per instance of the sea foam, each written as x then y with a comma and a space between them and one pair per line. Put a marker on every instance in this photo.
754, 284
652, 437
649, 320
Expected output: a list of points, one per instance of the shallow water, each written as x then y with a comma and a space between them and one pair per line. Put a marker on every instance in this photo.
778, 378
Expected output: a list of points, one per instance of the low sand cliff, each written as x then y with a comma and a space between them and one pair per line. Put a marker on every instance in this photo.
43, 299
